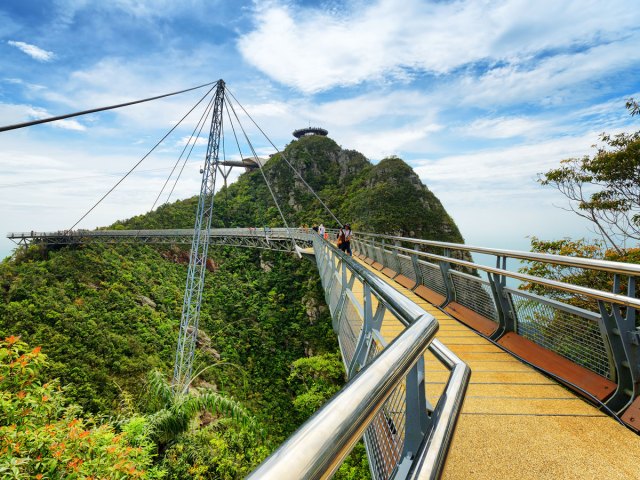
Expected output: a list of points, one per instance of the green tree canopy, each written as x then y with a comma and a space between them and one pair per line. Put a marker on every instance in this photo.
605, 188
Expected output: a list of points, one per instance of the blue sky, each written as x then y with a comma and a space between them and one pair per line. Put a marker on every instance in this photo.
478, 96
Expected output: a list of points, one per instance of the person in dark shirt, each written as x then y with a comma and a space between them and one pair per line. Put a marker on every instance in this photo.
344, 239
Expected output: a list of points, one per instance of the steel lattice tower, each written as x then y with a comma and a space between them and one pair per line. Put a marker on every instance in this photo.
198, 257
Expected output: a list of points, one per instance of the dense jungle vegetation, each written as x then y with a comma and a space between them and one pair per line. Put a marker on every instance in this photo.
90, 331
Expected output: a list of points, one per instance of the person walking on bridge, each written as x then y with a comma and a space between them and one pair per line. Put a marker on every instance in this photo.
345, 236
321, 230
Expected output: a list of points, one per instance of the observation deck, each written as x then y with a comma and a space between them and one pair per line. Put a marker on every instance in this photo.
309, 131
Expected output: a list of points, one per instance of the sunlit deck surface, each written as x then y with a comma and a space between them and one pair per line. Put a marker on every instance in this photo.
516, 422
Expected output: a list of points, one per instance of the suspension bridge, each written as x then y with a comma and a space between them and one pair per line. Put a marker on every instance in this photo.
452, 371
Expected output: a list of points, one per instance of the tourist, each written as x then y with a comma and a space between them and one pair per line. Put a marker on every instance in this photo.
344, 239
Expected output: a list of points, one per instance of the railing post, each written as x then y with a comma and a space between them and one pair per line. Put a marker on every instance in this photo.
416, 419
383, 258
624, 340
504, 307
371, 322
374, 254
396, 267
445, 267
416, 270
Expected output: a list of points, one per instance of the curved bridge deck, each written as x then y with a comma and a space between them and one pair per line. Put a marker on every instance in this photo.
517, 422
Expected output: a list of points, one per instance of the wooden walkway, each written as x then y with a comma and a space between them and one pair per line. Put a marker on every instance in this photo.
516, 422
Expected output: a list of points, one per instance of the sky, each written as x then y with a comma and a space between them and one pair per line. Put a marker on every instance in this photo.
478, 96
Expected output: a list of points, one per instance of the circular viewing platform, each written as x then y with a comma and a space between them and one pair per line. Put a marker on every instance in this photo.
303, 132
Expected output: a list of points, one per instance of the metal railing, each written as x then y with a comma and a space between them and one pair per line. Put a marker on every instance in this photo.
280, 239
605, 340
385, 398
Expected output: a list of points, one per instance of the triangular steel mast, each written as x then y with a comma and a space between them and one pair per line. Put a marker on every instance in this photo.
198, 258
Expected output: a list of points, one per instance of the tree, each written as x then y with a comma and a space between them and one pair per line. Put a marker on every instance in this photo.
605, 188
42, 436
179, 410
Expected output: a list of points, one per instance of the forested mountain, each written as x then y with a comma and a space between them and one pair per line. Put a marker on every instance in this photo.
106, 316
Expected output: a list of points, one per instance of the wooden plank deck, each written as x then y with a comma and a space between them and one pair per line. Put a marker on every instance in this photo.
517, 422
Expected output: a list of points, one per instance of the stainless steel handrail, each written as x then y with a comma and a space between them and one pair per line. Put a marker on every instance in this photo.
431, 456
567, 287
604, 340
603, 265
318, 448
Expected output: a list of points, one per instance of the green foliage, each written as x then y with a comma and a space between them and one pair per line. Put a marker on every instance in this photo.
315, 380
389, 198
605, 188
176, 411
107, 315
217, 451
355, 466
43, 437
573, 275
86, 308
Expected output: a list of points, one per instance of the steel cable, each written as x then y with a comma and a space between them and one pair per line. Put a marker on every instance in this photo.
94, 110
201, 121
143, 158
285, 159
255, 156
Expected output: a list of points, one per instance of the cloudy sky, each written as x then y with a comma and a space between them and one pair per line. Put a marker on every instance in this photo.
477, 95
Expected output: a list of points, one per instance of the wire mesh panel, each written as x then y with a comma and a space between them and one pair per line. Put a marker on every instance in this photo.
569, 334
384, 437
390, 261
326, 273
334, 291
406, 267
432, 277
475, 294
378, 256
368, 250
350, 327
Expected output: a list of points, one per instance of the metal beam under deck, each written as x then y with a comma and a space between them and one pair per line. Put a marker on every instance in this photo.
279, 239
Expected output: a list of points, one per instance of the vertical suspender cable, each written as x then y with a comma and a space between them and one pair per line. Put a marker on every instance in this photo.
202, 121
255, 156
284, 158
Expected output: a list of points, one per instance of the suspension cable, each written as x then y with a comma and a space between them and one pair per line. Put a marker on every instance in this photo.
285, 159
143, 158
202, 120
255, 156
94, 110
189, 154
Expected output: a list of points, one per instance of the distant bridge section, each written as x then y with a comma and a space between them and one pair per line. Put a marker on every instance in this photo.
279, 239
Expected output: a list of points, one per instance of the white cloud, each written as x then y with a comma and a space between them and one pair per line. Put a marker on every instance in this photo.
376, 144
501, 167
40, 113
188, 140
552, 80
314, 50
505, 127
34, 52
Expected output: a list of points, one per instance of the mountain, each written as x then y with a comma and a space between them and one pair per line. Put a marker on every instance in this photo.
387, 197
107, 315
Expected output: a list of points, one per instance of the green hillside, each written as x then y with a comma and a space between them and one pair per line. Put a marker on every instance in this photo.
106, 316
